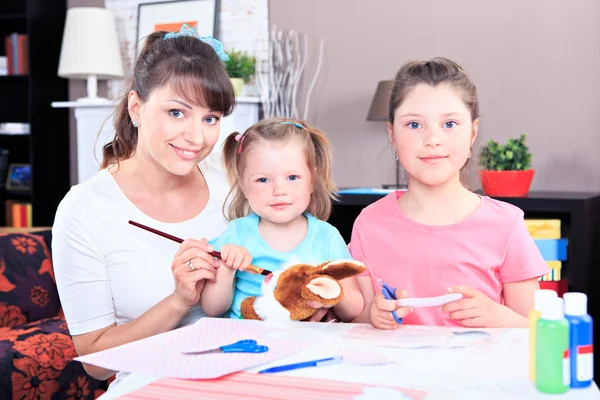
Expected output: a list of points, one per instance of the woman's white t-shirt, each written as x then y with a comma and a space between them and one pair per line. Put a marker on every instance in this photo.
109, 271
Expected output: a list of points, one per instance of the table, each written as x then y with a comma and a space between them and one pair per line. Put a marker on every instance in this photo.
579, 214
465, 373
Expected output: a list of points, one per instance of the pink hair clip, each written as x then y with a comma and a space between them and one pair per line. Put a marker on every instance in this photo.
239, 138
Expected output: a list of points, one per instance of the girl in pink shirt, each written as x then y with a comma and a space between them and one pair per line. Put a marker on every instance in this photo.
438, 236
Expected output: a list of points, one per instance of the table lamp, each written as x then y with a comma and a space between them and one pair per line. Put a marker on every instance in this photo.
90, 49
379, 111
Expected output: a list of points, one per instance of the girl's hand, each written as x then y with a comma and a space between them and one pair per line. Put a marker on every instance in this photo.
324, 314
235, 257
380, 313
191, 266
475, 309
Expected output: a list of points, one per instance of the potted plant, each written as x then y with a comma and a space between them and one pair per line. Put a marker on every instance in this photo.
506, 168
240, 68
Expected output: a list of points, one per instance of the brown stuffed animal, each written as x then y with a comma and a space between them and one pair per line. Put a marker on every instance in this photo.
296, 292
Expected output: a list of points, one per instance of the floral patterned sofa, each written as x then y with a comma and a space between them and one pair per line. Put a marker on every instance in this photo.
36, 351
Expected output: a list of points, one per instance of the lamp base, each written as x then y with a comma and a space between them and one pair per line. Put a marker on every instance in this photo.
101, 101
92, 93
397, 185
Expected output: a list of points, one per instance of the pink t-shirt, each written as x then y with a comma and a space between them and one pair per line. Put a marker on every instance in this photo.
489, 248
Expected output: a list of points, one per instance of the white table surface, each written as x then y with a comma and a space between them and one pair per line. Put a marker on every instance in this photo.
499, 372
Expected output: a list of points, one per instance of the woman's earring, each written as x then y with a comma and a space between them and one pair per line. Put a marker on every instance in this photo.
396, 156
134, 123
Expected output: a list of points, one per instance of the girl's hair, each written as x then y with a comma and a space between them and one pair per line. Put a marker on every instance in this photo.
438, 70
193, 70
318, 157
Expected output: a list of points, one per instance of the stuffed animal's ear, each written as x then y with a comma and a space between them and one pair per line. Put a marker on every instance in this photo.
341, 269
324, 287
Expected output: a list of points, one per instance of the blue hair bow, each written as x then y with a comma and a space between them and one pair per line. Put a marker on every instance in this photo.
296, 124
185, 30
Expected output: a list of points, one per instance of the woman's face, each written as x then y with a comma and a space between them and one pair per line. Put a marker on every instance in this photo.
173, 133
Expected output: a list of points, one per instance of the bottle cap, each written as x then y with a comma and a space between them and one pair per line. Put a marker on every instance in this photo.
575, 303
553, 309
541, 296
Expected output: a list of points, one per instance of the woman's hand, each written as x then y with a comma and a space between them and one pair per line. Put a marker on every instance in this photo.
380, 312
235, 257
475, 309
191, 266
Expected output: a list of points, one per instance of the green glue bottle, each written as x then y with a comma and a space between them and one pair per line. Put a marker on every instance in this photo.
552, 359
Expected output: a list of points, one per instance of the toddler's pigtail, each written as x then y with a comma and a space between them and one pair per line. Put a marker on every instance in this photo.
324, 188
238, 207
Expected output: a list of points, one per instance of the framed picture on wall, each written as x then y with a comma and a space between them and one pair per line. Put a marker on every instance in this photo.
200, 15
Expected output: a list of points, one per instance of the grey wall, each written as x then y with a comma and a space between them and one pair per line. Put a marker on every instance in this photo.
536, 64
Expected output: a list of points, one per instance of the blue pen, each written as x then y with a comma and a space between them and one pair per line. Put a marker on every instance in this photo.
390, 294
314, 363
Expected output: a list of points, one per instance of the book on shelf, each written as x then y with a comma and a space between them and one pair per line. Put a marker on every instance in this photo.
18, 214
17, 59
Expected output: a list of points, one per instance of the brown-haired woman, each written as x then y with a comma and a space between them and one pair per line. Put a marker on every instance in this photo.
118, 283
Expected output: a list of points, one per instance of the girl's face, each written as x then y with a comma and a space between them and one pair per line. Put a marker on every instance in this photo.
277, 181
172, 133
433, 134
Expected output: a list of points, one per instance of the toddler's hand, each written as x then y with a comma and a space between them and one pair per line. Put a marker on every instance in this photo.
475, 309
381, 309
235, 257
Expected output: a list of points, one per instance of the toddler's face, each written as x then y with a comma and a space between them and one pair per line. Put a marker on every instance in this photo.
277, 181
433, 134
175, 134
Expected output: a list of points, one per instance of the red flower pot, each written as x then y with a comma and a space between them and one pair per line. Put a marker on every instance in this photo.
506, 183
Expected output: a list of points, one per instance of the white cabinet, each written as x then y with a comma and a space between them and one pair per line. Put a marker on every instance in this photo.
95, 128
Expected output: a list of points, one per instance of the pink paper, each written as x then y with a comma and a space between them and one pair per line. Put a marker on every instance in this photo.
405, 336
363, 357
419, 336
161, 356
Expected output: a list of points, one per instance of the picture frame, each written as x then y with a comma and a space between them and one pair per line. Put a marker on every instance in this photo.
19, 177
200, 15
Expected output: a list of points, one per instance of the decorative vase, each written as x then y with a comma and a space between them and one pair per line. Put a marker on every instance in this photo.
506, 183
238, 86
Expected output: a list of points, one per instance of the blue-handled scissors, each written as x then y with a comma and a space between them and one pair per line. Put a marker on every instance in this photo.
390, 294
243, 346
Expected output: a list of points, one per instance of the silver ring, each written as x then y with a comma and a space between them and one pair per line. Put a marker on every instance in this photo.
191, 266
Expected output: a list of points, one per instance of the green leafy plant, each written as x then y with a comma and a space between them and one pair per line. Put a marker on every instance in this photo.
240, 65
514, 155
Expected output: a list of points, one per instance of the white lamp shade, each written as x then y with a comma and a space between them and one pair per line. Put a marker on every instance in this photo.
90, 45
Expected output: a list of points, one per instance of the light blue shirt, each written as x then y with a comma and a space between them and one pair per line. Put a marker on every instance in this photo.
322, 243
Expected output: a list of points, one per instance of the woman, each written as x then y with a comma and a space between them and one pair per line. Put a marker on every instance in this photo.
114, 279
118, 283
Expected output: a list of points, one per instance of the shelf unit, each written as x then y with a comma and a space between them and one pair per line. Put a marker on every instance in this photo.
27, 98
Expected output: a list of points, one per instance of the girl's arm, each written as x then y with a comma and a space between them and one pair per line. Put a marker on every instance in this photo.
518, 297
352, 304
476, 309
217, 295
366, 288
